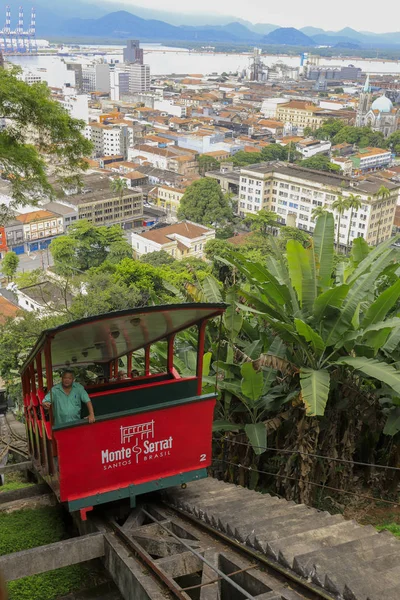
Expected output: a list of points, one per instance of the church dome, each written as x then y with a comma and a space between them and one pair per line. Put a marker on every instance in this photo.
383, 104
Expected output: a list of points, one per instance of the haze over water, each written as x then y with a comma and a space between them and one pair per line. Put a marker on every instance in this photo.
166, 60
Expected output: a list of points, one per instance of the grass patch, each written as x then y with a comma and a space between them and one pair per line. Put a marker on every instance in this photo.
392, 527
29, 528
14, 481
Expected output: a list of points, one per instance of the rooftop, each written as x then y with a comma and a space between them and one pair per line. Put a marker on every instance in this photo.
185, 229
37, 215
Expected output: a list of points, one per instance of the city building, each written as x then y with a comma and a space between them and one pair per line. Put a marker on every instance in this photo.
97, 203
68, 214
270, 105
77, 105
119, 83
300, 114
309, 148
45, 298
14, 231
169, 198
369, 159
349, 73
380, 114
292, 192
39, 227
96, 78
133, 53
3, 242
181, 240
109, 140
345, 164
77, 69
139, 78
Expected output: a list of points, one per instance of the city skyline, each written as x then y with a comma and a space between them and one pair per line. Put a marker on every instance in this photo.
293, 14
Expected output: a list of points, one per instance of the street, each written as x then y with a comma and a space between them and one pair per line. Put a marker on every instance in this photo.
36, 260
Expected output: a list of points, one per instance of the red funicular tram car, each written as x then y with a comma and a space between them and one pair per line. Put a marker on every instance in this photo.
152, 429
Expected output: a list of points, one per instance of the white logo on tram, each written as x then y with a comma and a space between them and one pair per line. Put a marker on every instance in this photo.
144, 430
142, 436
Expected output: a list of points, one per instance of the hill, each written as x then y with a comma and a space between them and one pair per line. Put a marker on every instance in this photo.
289, 36
125, 25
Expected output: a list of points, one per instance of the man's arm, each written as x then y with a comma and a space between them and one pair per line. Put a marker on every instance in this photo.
47, 400
91, 417
86, 400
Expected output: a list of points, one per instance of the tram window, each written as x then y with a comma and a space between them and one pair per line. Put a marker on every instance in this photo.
185, 351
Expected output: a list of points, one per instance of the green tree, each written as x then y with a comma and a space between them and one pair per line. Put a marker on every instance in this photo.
157, 259
9, 265
320, 163
118, 251
118, 185
308, 132
332, 337
207, 163
242, 158
38, 132
329, 129
339, 90
203, 202
63, 251
383, 194
85, 246
353, 203
340, 205
102, 293
262, 222
393, 142
318, 211
362, 136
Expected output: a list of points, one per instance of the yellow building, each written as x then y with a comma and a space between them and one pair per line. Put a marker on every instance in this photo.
300, 114
169, 198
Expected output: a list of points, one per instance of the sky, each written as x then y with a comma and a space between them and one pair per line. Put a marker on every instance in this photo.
291, 13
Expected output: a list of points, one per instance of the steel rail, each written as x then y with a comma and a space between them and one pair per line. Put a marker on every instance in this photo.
209, 564
314, 592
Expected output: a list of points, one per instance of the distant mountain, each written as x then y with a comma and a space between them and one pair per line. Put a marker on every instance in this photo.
124, 25
311, 31
289, 36
262, 28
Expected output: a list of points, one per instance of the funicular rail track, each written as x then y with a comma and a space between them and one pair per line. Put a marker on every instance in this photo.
10, 440
193, 561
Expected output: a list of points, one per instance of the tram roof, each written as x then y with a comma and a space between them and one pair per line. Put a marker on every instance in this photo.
102, 338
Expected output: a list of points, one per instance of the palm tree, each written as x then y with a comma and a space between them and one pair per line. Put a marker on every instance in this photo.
118, 186
340, 205
383, 193
354, 203
318, 211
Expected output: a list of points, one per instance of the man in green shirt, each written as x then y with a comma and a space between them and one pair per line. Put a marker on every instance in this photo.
66, 398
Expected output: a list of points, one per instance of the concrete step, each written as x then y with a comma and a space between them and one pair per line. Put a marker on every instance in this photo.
286, 549
232, 513
363, 549
254, 523
264, 525
301, 522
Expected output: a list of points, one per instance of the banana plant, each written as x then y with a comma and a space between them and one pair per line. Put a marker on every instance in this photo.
330, 323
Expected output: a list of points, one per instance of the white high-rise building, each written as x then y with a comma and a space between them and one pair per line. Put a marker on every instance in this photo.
139, 78
96, 78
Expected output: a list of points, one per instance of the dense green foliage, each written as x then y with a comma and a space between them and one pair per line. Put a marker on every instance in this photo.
86, 246
320, 163
268, 153
207, 163
29, 528
9, 264
203, 202
39, 131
